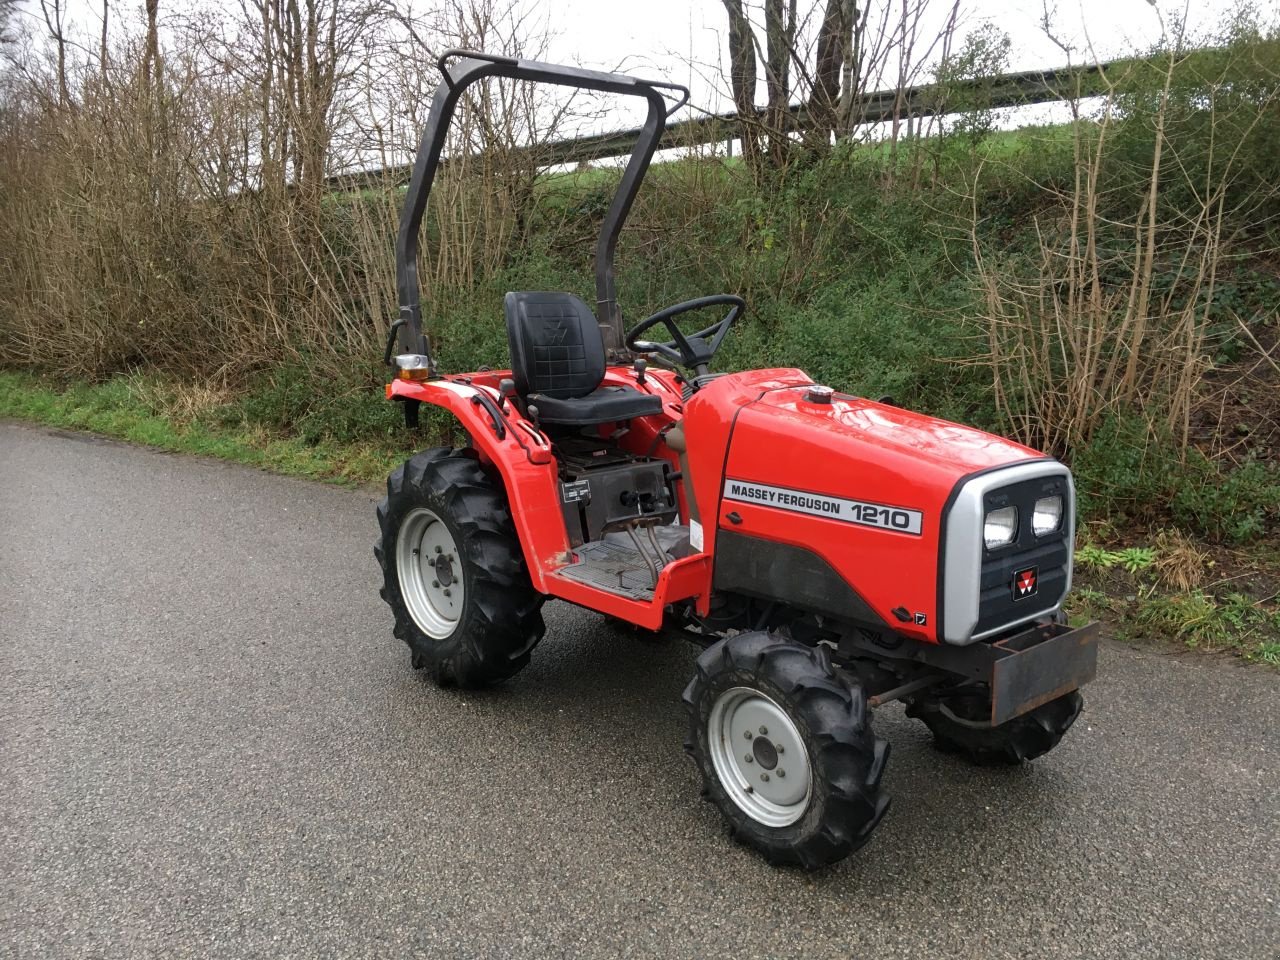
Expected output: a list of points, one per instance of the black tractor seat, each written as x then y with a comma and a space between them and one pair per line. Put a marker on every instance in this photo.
558, 362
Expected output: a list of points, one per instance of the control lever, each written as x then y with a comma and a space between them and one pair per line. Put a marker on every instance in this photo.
649, 562
506, 390
641, 366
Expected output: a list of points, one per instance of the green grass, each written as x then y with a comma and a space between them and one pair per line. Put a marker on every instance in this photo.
141, 410
1199, 619
1235, 624
1163, 593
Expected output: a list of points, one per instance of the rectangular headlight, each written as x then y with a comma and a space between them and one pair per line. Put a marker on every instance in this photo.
1047, 516
1000, 527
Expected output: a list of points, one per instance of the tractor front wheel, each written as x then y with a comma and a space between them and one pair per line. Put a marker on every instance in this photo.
453, 572
956, 723
785, 749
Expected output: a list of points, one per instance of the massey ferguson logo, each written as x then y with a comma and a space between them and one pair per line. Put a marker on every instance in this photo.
553, 329
1024, 583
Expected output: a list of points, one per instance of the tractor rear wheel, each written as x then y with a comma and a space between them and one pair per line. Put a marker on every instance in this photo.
785, 749
453, 572
955, 723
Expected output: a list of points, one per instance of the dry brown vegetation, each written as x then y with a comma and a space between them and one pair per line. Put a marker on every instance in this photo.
167, 203
171, 207
1117, 305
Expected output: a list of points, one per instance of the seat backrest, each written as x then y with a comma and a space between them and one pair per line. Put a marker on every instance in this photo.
556, 348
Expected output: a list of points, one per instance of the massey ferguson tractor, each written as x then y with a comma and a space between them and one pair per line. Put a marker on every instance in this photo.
832, 553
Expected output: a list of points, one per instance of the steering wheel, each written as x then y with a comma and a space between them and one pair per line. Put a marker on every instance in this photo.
694, 350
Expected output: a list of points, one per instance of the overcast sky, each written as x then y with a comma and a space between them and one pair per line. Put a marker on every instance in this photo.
605, 30
664, 33
662, 38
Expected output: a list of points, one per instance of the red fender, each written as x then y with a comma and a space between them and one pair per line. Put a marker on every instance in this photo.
522, 456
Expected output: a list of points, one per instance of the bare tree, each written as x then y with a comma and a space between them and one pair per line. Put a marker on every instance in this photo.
742, 79
780, 40
6, 15
54, 13
817, 59
835, 53
102, 44
301, 53
151, 54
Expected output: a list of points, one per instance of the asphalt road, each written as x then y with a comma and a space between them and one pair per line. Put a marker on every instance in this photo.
210, 745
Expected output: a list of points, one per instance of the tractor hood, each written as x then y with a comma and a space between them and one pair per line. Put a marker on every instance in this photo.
830, 491
920, 446
784, 429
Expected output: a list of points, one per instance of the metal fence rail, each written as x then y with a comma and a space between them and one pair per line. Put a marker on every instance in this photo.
918, 102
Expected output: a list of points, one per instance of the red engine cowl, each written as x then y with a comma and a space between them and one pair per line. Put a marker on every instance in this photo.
871, 513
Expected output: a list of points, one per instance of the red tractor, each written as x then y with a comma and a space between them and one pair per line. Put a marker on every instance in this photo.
832, 553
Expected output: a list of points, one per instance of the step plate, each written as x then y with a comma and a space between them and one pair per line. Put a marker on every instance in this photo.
613, 565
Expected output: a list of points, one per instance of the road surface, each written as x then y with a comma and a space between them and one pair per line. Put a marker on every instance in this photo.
211, 746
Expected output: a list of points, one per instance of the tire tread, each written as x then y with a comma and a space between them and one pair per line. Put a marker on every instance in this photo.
1016, 741
847, 758
502, 620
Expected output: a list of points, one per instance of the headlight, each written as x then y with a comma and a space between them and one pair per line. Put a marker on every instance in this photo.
1047, 516
1000, 527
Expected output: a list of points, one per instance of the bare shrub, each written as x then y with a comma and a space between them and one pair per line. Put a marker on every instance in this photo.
172, 205
1113, 310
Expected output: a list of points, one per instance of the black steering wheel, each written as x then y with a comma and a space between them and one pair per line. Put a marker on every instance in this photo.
692, 350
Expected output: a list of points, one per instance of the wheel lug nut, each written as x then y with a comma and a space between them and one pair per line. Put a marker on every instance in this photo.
764, 777
764, 731
749, 758
435, 583
778, 747
781, 772
747, 734
439, 549
447, 593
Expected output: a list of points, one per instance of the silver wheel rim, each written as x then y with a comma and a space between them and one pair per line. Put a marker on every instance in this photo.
430, 573
759, 757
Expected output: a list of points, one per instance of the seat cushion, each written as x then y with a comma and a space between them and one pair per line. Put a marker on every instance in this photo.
602, 405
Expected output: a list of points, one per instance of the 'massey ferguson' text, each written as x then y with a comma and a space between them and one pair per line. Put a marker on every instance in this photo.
899, 519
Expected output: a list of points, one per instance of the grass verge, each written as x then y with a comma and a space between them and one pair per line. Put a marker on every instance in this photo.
1174, 589
188, 419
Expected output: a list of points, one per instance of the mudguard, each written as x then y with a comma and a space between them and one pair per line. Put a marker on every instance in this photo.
519, 452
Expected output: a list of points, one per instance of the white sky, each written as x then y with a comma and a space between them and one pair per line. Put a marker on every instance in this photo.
661, 38
664, 33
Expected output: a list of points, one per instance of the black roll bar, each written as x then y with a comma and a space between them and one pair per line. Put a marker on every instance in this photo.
471, 66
